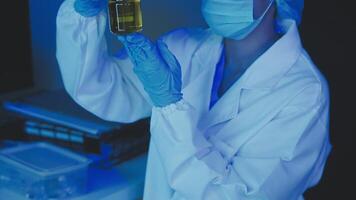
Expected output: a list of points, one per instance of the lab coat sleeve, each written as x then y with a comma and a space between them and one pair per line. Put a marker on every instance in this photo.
277, 164
104, 85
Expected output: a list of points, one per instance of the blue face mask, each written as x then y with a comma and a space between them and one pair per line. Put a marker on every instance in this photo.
231, 18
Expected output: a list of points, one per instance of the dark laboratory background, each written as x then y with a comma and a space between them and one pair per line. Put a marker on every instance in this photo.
328, 32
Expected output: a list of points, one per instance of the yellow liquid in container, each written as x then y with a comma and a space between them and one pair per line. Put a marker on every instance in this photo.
125, 16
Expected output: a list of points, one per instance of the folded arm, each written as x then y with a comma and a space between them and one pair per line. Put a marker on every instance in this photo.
273, 165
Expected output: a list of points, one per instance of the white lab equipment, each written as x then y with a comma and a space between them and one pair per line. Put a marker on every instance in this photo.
43, 171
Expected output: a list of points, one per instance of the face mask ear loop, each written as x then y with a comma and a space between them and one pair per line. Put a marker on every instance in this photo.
259, 20
265, 12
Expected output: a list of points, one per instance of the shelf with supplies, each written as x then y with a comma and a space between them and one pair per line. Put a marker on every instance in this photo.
54, 117
117, 151
124, 181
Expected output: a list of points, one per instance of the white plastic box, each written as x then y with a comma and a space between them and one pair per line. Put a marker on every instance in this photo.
43, 171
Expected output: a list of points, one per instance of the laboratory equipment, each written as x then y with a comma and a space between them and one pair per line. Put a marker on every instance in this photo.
43, 171
125, 16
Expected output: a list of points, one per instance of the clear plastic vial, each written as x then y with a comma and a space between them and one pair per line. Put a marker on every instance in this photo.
125, 16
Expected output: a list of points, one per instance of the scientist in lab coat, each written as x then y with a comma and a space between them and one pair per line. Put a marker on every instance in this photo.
238, 111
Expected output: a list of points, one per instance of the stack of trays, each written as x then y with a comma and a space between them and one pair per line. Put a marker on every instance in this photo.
43, 171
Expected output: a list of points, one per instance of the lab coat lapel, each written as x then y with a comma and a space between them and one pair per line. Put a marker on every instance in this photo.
225, 109
197, 91
257, 77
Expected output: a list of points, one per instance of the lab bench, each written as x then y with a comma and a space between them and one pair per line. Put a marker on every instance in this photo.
128, 184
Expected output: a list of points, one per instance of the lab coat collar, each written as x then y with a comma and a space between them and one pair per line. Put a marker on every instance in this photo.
270, 67
198, 93
264, 73
205, 57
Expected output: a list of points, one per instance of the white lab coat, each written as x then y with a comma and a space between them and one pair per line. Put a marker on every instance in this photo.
266, 138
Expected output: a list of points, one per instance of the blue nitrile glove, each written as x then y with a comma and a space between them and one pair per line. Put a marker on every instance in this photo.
156, 67
89, 8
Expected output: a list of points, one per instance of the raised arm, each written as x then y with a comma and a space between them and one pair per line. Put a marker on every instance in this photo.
102, 84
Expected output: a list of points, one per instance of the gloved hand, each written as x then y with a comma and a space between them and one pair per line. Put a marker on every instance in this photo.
89, 8
156, 67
